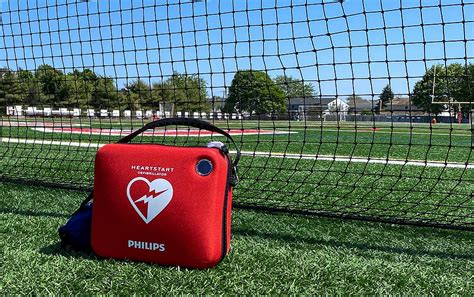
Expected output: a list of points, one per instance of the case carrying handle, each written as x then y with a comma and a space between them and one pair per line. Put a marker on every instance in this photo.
183, 122
200, 124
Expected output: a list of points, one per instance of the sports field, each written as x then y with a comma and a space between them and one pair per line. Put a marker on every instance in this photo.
382, 170
392, 171
354, 120
271, 253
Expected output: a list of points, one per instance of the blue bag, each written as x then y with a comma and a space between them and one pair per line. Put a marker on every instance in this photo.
76, 233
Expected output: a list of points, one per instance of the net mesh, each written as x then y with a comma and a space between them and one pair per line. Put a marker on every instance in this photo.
341, 108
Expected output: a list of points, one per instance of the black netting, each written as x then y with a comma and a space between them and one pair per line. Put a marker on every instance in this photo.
359, 109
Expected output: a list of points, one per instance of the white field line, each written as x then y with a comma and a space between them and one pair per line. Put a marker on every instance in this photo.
356, 159
353, 159
51, 142
384, 132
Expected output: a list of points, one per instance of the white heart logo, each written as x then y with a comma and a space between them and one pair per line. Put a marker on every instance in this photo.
160, 192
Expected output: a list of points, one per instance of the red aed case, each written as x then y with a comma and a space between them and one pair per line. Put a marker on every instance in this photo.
163, 204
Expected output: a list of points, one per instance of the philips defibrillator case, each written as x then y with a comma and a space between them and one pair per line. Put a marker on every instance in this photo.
168, 205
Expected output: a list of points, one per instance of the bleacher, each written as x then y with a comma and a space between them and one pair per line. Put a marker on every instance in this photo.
32, 111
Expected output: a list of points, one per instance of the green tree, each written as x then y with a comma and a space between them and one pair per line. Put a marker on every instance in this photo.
254, 92
185, 93
139, 95
54, 85
10, 91
385, 97
468, 87
295, 88
140, 88
77, 91
104, 93
128, 100
451, 83
87, 89
51, 87
30, 89
81, 85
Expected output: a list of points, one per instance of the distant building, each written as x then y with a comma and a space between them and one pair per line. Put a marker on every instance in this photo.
337, 106
316, 106
401, 106
358, 105
297, 104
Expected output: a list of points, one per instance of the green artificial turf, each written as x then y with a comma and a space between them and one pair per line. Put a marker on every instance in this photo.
271, 253
433, 195
416, 193
398, 141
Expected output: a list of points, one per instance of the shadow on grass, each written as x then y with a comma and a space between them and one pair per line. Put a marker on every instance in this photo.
363, 246
56, 249
33, 213
275, 235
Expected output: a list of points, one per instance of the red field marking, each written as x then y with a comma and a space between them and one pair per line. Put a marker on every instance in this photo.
179, 132
367, 130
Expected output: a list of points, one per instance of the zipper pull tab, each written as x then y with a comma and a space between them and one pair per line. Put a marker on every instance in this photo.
219, 145
234, 179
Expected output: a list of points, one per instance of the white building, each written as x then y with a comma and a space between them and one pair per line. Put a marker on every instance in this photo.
336, 106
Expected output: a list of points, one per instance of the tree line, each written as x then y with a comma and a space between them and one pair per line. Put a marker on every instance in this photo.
445, 84
49, 86
251, 91
454, 82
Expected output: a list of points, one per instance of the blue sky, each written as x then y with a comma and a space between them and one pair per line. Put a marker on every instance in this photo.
359, 42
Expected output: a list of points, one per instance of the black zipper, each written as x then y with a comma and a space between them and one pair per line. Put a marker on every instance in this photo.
224, 213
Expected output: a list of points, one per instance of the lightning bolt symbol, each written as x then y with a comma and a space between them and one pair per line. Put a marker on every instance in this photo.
146, 198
